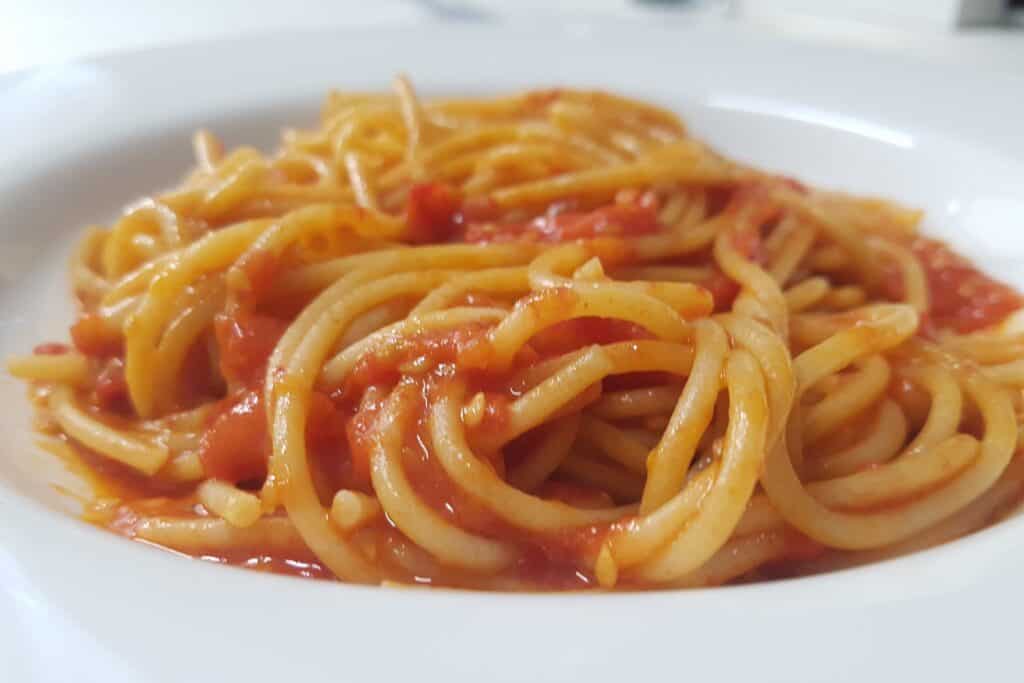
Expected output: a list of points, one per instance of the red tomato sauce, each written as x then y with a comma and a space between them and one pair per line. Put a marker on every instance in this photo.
235, 445
724, 289
576, 333
199, 381
260, 268
961, 297
303, 564
340, 435
246, 341
748, 243
548, 560
108, 478
359, 432
91, 336
112, 388
760, 215
575, 494
616, 220
432, 213
51, 349
299, 561
424, 351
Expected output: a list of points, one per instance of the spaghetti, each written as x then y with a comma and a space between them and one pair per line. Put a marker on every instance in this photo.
545, 341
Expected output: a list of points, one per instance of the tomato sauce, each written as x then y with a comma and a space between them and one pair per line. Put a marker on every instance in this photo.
112, 388
51, 349
616, 220
547, 560
302, 564
359, 432
576, 333
756, 214
340, 435
575, 494
298, 561
723, 288
246, 341
199, 381
432, 213
437, 490
91, 336
260, 268
235, 445
962, 298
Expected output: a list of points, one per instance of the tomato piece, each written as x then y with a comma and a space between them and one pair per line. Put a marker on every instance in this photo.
430, 348
197, 379
497, 413
325, 424
961, 297
235, 447
615, 220
112, 388
92, 337
748, 243
359, 432
476, 209
51, 349
723, 289
802, 548
431, 212
260, 268
246, 341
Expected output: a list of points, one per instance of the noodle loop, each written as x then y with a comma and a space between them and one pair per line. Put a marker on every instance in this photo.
544, 341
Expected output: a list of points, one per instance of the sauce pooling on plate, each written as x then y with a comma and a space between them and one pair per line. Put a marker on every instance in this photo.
547, 341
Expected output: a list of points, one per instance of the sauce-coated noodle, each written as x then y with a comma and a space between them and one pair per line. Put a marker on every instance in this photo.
544, 341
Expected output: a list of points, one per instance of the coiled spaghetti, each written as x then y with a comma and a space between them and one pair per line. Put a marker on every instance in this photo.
535, 342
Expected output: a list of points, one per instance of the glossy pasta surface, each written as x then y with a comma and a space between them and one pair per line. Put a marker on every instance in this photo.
546, 341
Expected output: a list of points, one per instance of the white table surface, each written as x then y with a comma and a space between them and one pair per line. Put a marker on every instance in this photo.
37, 32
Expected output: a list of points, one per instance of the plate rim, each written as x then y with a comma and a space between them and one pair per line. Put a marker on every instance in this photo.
802, 591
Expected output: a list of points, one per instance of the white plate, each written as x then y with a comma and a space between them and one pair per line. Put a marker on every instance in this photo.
81, 140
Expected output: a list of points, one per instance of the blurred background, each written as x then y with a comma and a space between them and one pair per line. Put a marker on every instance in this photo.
982, 33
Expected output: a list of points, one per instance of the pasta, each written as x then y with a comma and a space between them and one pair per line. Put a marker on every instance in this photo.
538, 342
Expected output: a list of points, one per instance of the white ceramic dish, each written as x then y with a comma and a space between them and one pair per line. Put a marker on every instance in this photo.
81, 140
